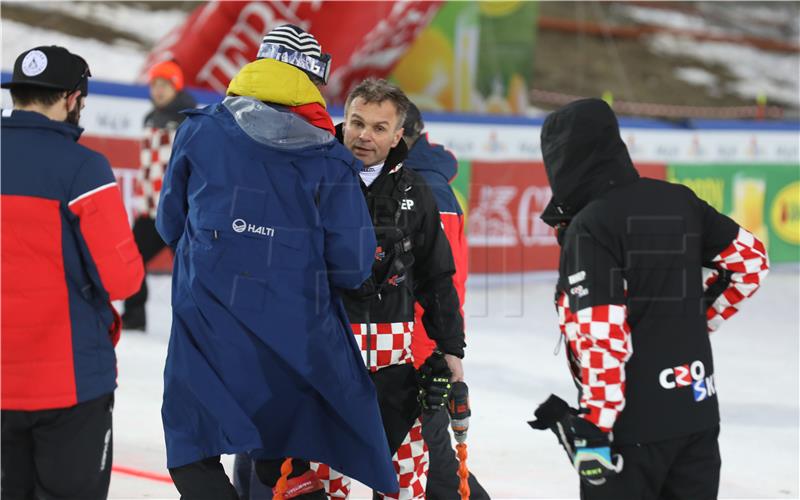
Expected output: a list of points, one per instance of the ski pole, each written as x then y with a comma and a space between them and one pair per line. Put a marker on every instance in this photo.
459, 421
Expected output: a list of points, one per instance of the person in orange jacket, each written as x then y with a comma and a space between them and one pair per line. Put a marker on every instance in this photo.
160, 126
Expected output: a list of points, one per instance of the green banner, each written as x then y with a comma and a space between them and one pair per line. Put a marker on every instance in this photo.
505, 54
764, 199
473, 56
461, 185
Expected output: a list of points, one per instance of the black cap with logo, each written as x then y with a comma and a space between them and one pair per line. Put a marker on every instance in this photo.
50, 67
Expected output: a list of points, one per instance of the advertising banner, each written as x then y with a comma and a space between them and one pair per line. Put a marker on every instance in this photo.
648, 141
474, 56
764, 199
504, 231
219, 38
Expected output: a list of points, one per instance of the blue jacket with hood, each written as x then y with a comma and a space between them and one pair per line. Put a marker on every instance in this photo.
438, 167
267, 219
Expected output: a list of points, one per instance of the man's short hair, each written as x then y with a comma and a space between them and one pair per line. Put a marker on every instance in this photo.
25, 95
376, 91
412, 127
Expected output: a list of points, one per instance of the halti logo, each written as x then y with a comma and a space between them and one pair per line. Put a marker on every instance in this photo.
407, 204
685, 375
240, 226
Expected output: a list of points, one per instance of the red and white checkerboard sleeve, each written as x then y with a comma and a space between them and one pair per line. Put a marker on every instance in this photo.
603, 346
747, 262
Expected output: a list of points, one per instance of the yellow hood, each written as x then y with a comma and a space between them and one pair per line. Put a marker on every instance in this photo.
273, 81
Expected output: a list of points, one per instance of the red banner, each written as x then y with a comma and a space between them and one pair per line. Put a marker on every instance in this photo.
505, 233
219, 38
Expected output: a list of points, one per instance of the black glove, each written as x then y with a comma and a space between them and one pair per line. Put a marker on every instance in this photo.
434, 382
588, 448
714, 290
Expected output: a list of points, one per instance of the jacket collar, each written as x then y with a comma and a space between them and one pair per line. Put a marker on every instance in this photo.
30, 119
277, 82
263, 124
424, 156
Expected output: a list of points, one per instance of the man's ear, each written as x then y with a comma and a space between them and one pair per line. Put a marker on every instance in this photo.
72, 100
398, 134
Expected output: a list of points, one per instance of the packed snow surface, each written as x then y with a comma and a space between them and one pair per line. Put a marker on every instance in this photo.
510, 367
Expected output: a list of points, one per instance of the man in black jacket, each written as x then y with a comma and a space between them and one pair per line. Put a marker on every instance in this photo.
160, 124
631, 272
413, 263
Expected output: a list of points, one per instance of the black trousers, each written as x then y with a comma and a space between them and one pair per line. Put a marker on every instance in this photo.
443, 477
206, 480
203, 480
685, 468
58, 454
397, 390
150, 244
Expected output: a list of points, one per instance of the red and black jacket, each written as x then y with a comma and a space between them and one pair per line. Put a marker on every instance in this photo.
67, 251
439, 167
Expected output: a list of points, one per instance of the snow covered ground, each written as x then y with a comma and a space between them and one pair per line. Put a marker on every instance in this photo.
120, 61
510, 367
756, 72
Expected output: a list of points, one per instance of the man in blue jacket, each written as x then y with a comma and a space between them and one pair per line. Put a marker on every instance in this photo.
67, 251
263, 208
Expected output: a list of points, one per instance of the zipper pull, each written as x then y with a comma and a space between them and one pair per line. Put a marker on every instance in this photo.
216, 235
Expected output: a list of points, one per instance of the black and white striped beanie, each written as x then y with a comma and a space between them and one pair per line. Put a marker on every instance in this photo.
293, 45
295, 38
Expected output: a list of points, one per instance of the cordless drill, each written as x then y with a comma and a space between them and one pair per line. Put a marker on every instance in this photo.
459, 411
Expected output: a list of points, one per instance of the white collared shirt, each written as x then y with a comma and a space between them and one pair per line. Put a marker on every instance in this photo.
369, 174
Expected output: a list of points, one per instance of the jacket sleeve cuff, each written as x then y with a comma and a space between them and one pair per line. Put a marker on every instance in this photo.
454, 347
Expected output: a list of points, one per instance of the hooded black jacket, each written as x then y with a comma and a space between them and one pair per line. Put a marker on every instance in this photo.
642, 243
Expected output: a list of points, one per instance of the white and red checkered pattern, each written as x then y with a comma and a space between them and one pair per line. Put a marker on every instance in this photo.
746, 259
390, 343
337, 485
599, 338
410, 461
156, 148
